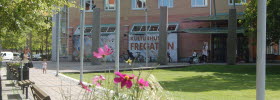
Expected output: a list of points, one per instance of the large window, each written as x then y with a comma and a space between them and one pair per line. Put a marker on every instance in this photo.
104, 29
90, 5
152, 28
273, 48
237, 2
168, 3
138, 4
109, 5
88, 29
199, 3
111, 29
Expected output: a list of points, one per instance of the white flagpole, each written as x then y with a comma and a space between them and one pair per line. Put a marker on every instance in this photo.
82, 22
261, 48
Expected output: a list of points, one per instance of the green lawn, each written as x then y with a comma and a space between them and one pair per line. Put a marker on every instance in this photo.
212, 82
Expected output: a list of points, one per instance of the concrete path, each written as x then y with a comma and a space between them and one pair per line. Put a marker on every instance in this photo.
75, 66
58, 87
62, 87
10, 91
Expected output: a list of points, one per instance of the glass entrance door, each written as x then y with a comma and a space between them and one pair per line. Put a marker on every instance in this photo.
219, 45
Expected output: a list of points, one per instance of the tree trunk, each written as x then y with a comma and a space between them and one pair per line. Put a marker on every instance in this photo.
30, 44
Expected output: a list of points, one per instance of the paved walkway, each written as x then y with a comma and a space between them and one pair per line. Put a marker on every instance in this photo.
75, 66
58, 88
62, 87
9, 89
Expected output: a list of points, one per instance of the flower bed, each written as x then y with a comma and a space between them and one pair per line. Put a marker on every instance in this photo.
142, 86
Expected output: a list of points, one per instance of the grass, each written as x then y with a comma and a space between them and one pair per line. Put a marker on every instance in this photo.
212, 82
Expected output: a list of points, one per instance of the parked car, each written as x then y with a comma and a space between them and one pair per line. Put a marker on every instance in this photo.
36, 57
16, 56
7, 55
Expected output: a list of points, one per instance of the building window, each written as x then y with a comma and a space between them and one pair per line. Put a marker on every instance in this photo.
111, 29
144, 28
104, 29
88, 29
199, 3
110, 5
136, 28
172, 27
138, 4
168, 3
237, 2
90, 5
273, 48
154, 28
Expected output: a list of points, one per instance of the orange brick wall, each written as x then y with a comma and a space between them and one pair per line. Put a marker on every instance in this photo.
182, 9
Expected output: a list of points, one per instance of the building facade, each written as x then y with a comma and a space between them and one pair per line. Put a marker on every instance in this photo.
191, 23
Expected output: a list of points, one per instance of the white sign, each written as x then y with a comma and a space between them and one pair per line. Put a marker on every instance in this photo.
104, 39
137, 45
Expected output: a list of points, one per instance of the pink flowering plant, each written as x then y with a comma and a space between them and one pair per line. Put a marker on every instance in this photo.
102, 53
97, 80
133, 86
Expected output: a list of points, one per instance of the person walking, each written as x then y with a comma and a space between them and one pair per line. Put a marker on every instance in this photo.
205, 52
25, 57
24, 70
44, 66
169, 57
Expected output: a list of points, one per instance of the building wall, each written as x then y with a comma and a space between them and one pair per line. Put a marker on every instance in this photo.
181, 9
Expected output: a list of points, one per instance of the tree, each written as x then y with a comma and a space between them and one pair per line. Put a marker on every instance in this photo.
273, 21
22, 17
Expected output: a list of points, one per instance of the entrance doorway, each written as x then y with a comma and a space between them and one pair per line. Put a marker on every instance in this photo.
219, 47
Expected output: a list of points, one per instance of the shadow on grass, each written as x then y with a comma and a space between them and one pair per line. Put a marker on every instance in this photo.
224, 78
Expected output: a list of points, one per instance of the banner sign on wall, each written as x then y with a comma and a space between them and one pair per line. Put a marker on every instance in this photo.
137, 46
104, 39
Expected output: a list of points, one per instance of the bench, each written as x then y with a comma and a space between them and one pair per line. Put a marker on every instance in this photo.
38, 94
25, 84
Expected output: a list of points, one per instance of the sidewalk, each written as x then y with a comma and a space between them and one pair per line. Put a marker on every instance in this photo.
58, 88
75, 66
9, 90
62, 87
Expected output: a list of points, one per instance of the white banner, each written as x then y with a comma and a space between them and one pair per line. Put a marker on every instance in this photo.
137, 46
104, 39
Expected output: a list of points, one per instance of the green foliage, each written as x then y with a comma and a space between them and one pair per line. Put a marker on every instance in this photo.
18, 15
273, 21
22, 17
14, 64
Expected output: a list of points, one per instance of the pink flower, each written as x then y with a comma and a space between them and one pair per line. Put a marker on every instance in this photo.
97, 80
85, 87
103, 52
124, 79
142, 83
